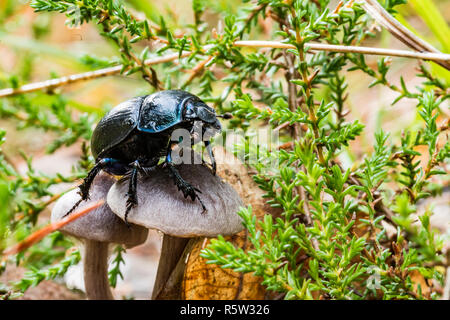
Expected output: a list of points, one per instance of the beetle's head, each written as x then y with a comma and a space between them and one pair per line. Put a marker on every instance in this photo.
201, 116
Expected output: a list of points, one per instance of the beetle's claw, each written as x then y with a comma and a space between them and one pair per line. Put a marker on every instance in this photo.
187, 189
73, 207
126, 220
212, 167
202, 204
191, 192
131, 203
198, 190
129, 207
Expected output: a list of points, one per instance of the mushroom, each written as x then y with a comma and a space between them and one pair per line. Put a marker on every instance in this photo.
162, 207
97, 230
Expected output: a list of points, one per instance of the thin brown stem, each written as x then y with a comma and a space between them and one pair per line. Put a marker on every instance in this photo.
291, 74
399, 31
197, 70
347, 49
308, 87
110, 71
148, 74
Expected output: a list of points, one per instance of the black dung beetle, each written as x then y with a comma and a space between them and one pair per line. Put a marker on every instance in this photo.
134, 135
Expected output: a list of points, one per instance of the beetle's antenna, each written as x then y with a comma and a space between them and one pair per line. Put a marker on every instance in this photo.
225, 116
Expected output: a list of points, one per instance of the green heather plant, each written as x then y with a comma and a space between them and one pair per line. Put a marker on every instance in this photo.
330, 240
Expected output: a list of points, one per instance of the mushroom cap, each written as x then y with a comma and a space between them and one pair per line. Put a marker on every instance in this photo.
163, 207
101, 224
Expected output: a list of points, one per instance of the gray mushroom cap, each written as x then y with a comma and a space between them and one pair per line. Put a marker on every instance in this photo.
163, 207
101, 224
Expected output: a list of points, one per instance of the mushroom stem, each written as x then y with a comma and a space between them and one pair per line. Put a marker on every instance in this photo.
171, 251
96, 271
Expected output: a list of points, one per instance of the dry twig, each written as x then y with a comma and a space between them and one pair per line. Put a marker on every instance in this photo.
53, 83
376, 11
41, 233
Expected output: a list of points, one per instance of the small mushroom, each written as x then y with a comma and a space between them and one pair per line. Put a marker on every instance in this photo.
162, 207
97, 230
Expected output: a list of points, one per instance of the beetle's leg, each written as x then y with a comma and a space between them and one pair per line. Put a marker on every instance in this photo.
186, 188
206, 164
211, 155
87, 182
132, 200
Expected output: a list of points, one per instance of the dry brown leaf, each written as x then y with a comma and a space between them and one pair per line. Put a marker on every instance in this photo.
209, 281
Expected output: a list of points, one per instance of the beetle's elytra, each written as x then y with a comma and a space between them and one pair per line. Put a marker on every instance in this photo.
134, 135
